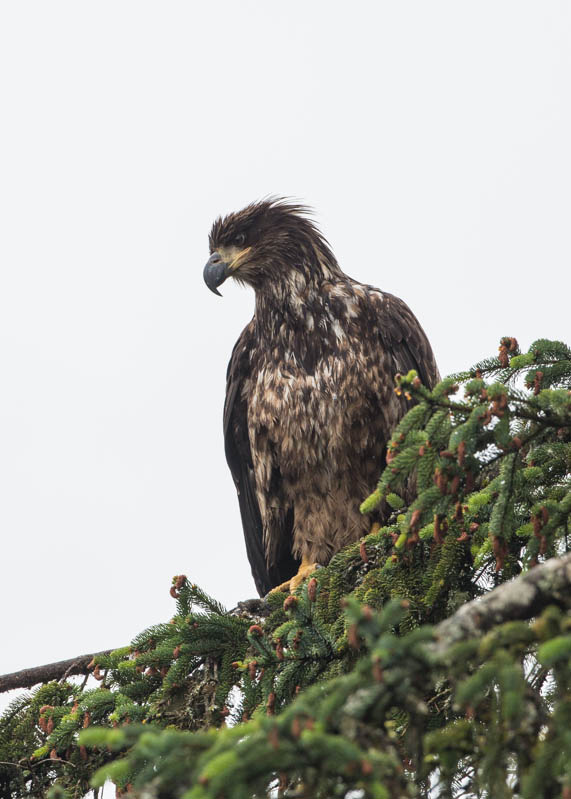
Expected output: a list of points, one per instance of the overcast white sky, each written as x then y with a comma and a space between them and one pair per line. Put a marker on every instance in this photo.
433, 141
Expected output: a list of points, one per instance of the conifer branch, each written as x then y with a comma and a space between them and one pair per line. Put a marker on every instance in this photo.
522, 598
337, 688
27, 678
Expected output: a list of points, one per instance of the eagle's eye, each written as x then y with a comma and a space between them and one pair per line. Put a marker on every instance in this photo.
239, 239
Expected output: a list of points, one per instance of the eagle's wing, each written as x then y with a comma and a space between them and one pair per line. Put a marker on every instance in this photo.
403, 337
239, 457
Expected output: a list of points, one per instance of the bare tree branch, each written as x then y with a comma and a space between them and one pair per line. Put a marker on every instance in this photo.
26, 678
522, 598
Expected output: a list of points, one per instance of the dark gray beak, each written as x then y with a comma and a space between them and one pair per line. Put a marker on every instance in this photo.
215, 272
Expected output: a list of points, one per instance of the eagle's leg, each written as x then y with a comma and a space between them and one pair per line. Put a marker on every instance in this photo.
306, 568
375, 527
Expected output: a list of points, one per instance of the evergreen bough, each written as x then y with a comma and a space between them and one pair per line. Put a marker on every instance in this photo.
370, 677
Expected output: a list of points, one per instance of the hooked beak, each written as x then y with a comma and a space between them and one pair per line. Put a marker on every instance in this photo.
215, 272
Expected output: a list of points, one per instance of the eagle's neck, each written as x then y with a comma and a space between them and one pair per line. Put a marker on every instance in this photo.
293, 316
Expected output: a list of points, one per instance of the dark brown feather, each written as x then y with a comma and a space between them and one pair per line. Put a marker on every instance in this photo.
239, 458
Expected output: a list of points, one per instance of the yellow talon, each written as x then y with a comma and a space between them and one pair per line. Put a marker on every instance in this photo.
306, 568
279, 588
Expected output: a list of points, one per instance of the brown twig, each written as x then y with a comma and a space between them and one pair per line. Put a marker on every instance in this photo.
28, 765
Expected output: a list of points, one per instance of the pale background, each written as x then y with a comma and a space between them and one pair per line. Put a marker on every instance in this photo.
433, 140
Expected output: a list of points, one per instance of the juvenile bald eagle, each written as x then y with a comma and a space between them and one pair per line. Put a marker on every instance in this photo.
310, 399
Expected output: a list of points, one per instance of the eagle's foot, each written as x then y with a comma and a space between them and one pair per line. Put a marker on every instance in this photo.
305, 570
282, 587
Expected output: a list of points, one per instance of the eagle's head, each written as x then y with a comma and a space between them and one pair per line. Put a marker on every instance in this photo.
263, 243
